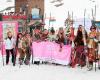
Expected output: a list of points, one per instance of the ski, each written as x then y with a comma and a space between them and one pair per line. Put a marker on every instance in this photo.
84, 38
2, 54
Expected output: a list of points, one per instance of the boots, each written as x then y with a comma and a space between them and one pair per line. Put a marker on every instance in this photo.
37, 62
27, 62
99, 65
90, 65
13, 63
21, 61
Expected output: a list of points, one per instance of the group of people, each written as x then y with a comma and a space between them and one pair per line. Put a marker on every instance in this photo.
85, 47
21, 45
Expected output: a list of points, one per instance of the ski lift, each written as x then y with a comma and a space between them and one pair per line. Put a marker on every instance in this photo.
9, 0
59, 0
92, 0
58, 5
53, 1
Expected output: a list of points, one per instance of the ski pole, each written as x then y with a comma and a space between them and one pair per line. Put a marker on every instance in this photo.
32, 54
2, 54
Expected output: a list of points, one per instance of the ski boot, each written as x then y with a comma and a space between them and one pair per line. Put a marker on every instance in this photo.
37, 62
99, 67
99, 64
90, 66
21, 61
14, 64
27, 62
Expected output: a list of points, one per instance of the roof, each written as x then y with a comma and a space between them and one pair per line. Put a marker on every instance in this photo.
35, 22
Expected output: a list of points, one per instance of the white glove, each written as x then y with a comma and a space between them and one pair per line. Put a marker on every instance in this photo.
95, 40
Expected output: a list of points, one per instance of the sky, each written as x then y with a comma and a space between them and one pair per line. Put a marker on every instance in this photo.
61, 13
4, 4
75, 6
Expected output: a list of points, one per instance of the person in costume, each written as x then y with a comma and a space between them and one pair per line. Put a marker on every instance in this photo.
61, 38
37, 34
52, 35
79, 46
70, 37
28, 44
20, 47
44, 35
36, 37
92, 46
70, 41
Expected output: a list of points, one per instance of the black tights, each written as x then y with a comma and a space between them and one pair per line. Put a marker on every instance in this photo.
8, 55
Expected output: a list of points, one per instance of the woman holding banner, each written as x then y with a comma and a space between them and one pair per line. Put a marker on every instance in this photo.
52, 35
61, 38
44, 35
36, 34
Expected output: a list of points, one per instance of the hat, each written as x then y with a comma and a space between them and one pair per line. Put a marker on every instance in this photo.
61, 28
93, 27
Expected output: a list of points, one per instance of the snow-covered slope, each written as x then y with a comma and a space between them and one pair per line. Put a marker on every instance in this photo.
46, 72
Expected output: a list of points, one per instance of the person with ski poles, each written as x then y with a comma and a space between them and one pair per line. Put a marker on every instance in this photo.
70, 41
9, 46
79, 44
92, 46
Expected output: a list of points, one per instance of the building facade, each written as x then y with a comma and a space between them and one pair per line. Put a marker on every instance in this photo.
28, 5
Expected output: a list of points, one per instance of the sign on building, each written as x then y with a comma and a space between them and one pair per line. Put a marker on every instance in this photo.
35, 13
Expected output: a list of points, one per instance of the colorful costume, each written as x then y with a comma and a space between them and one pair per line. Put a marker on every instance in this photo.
92, 47
80, 52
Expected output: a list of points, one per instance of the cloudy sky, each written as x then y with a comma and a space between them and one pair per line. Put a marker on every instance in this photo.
4, 4
60, 13
75, 6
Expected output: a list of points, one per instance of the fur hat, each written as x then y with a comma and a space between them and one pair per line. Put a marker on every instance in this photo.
93, 27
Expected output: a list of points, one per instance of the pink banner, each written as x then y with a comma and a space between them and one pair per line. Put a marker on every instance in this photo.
49, 51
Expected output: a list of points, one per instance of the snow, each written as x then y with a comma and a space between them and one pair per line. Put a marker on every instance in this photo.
45, 72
